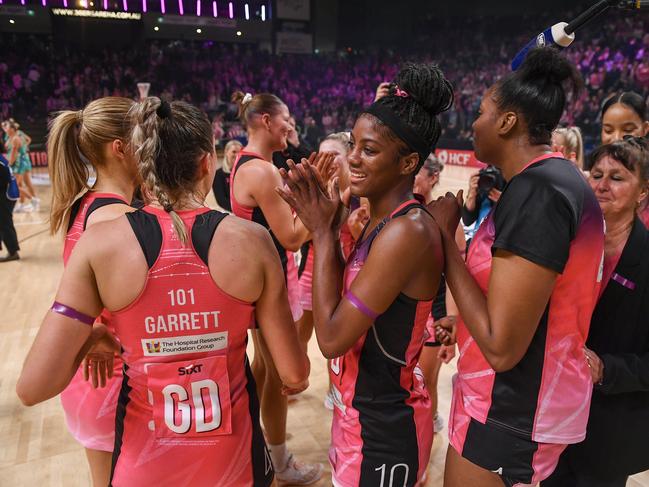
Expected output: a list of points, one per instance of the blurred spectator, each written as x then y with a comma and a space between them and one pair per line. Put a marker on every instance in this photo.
39, 75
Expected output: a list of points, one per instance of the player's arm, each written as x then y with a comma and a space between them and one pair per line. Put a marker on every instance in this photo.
531, 248
503, 323
15, 145
273, 314
288, 228
62, 342
396, 257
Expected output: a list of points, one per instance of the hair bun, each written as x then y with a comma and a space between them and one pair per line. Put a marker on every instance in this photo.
241, 98
427, 86
546, 63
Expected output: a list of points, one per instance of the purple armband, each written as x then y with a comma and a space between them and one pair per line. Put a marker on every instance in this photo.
623, 281
64, 310
360, 306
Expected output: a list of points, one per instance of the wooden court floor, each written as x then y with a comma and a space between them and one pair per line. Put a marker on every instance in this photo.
35, 447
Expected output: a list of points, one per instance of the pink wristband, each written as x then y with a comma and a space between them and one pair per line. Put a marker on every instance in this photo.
360, 306
69, 312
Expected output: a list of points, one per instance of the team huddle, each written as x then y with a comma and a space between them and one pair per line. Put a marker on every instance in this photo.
146, 341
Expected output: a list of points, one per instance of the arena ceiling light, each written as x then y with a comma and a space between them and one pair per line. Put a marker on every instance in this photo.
215, 11
239, 34
247, 10
181, 7
198, 8
199, 31
263, 13
231, 9
12, 21
156, 28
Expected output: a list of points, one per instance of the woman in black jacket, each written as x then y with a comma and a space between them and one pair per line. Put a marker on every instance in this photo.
618, 341
8, 196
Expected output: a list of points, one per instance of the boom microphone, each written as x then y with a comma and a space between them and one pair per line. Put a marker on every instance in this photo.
562, 35
553, 36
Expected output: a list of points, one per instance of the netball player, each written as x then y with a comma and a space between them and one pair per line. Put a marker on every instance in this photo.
569, 142
626, 114
99, 133
444, 309
523, 384
337, 144
253, 197
370, 315
21, 165
187, 412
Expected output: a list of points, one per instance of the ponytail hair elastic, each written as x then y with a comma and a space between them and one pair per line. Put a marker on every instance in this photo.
246, 99
164, 110
400, 93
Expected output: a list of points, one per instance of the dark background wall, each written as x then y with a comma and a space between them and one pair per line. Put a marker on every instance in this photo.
363, 23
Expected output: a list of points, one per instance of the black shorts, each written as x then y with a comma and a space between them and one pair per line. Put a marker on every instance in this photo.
516, 459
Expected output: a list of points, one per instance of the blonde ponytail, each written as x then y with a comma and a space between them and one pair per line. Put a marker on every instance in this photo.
573, 142
577, 141
68, 173
78, 138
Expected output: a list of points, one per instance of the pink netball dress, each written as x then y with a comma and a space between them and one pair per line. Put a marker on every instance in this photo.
382, 430
89, 412
256, 215
517, 423
188, 412
306, 266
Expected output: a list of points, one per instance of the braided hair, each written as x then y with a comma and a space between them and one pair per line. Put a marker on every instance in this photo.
168, 140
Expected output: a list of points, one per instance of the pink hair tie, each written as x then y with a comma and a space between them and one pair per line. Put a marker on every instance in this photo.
399, 92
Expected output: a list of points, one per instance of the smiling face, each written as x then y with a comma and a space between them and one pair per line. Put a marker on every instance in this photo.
618, 190
620, 120
375, 163
279, 127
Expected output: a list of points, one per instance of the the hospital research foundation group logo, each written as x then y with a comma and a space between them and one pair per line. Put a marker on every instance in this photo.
179, 345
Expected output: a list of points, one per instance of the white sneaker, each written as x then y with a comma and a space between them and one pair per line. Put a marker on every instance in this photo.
23, 208
329, 400
438, 423
298, 473
36, 203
